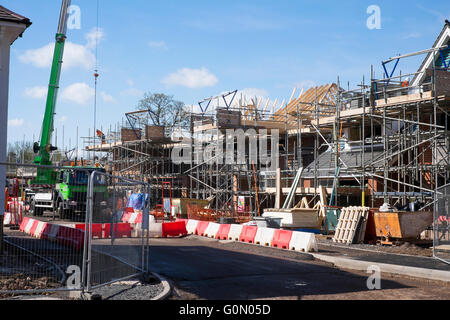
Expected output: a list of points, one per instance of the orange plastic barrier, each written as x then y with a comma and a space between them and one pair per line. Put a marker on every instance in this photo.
184, 220
201, 228
281, 239
24, 223
33, 227
223, 232
174, 229
70, 237
103, 231
120, 230
248, 234
97, 230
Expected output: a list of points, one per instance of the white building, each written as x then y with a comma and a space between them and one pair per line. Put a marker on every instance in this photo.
12, 26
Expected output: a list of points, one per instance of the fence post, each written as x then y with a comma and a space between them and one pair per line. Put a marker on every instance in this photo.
88, 235
145, 233
1, 232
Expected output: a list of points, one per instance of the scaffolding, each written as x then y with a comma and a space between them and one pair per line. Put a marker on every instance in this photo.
387, 141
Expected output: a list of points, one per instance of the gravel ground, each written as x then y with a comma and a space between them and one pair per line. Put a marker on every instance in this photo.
132, 291
406, 248
23, 282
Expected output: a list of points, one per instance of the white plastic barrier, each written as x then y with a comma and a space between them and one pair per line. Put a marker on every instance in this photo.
211, 230
28, 227
8, 219
133, 217
235, 232
39, 229
264, 236
302, 241
155, 230
16, 207
191, 226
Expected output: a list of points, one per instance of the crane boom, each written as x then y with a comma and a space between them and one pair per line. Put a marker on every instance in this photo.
44, 147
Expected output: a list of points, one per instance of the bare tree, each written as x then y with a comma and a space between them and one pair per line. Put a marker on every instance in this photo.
164, 110
21, 152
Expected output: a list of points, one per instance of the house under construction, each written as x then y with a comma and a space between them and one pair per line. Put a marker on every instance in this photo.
385, 142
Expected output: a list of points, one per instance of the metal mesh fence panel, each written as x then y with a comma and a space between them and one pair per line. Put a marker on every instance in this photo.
118, 244
42, 250
441, 233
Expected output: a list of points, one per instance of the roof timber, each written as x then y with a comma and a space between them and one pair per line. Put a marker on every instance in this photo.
322, 96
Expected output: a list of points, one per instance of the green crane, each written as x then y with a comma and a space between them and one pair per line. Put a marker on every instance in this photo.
44, 148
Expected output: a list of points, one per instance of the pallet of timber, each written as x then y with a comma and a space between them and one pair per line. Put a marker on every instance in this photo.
352, 225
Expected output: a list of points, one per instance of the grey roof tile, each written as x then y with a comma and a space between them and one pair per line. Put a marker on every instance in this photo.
8, 15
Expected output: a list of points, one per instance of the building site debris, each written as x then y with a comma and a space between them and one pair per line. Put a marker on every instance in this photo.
404, 226
351, 227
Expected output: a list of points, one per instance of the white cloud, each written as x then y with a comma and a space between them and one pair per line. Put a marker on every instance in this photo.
36, 92
157, 44
94, 36
41, 58
75, 55
79, 93
107, 98
191, 78
15, 122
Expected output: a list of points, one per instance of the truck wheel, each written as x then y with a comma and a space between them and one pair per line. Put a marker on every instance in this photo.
39, 212
32, 210
36, 211
70, 213
60, 211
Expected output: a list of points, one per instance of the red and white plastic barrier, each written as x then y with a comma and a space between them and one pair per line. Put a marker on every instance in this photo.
130, 216
277, 238
248, 234
174, 229
303, 241
73, 235
40, 229
16, 209
191, 226
201, 228
9, 219
281, 239
212, 230
264, 236
223, 232
235, 232
103, 231
64, 235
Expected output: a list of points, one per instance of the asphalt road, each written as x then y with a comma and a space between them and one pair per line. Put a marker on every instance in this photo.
201, 268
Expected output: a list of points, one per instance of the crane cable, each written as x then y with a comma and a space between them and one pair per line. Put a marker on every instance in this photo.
96, 75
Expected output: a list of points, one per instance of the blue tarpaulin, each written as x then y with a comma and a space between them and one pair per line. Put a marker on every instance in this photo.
137, 201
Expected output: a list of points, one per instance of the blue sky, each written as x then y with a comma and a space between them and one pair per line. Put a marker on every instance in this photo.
196, 49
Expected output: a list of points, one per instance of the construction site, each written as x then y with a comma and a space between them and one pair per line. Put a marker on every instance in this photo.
328, 170
385, 142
